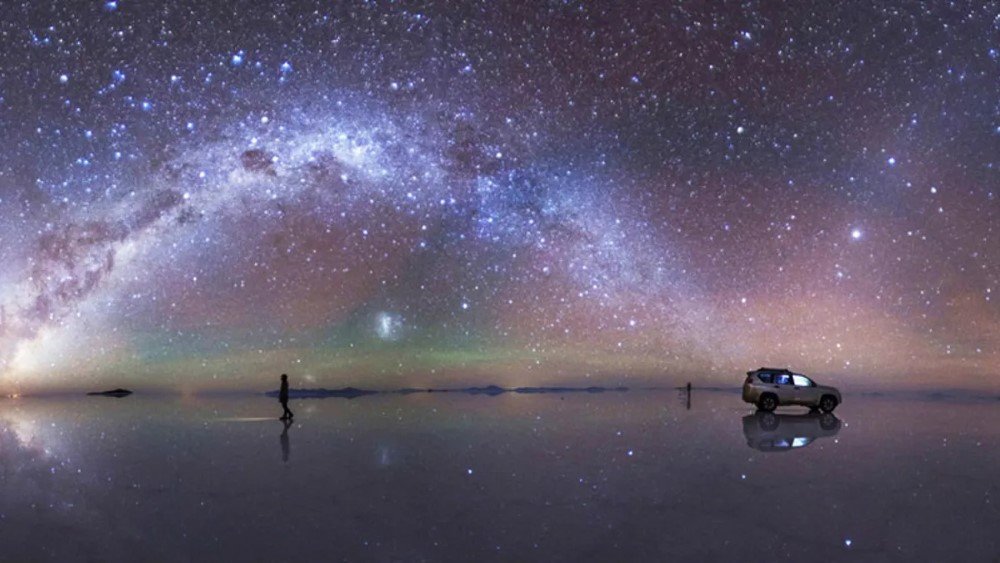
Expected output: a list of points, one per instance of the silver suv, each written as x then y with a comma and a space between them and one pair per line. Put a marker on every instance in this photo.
770, 387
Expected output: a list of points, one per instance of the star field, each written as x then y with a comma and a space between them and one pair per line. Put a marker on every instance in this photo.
204, 194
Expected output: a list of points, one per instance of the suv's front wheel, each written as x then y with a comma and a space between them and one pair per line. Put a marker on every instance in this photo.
827, 403
767, 402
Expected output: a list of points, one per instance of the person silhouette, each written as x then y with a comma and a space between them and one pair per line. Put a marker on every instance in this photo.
283, 398
286, 446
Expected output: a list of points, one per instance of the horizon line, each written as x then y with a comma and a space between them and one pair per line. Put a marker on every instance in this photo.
351, 391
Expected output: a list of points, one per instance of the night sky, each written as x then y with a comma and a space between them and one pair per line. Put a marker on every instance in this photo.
206, 194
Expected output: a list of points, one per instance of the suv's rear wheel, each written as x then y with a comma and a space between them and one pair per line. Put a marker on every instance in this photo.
767, 402
827, 403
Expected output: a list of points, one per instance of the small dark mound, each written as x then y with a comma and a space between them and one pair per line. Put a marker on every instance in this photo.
491, 390
119, 393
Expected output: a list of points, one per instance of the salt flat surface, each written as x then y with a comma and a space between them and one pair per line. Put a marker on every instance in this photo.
633, 476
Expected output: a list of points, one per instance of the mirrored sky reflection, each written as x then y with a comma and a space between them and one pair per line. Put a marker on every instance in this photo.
615, 476
205, 194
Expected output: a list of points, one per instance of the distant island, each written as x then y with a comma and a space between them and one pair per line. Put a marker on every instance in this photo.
489, 390
119, 393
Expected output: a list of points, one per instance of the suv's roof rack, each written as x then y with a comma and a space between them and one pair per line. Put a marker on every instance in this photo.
783, 370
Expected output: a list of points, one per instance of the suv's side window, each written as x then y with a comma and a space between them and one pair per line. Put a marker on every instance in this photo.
766, 377
802, 381
783, 379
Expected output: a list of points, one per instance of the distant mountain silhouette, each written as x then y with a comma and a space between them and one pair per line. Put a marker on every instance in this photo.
119, 393
346, 393
489, 390
567, 389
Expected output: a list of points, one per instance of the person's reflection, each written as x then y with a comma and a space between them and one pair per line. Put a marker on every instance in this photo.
286, 446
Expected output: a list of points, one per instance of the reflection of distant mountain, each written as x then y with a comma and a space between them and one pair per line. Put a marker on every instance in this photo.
489, 390
770, 432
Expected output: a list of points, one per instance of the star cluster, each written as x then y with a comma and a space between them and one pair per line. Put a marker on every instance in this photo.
202, 194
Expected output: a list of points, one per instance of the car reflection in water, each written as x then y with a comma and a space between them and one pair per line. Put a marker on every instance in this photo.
770, 432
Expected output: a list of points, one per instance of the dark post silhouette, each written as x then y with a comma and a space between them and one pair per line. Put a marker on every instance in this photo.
689, 395
283, 398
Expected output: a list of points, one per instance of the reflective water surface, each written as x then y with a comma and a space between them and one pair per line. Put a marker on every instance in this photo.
608, 477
